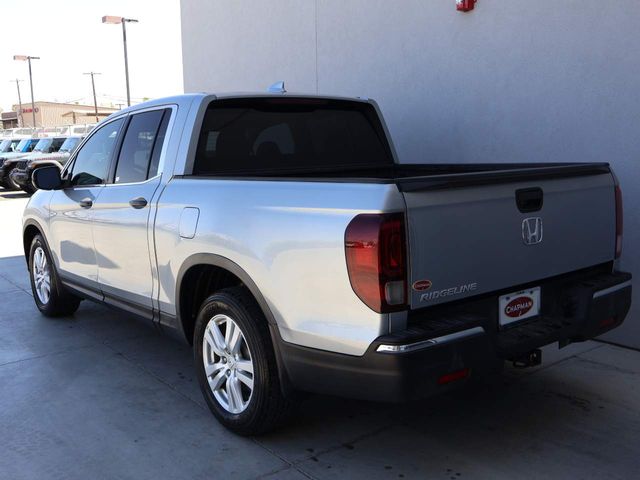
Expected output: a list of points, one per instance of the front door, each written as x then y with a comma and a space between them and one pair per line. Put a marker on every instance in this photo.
122, 215
71, 209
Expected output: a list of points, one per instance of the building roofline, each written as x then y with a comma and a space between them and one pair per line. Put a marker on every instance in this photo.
64, 104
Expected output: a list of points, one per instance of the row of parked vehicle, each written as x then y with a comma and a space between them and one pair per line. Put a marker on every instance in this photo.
20, 157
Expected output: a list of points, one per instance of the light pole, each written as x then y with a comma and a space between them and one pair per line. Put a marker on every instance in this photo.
28, 58
21, 121
122, 20
93, 87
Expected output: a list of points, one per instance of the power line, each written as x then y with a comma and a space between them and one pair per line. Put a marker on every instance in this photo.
105, 95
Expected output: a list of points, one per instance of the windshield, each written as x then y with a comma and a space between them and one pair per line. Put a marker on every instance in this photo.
70, 144
49, 145
23, 145
5, 146
43, 145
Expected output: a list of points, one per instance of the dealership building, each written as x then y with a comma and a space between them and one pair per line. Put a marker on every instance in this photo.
508, 81
55, 114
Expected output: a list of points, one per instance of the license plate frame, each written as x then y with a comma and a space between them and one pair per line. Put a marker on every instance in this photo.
517, 306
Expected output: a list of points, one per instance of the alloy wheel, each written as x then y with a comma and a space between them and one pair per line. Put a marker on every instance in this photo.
228, 364
41, 275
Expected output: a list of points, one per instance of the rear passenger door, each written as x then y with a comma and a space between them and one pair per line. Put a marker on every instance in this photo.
122, 214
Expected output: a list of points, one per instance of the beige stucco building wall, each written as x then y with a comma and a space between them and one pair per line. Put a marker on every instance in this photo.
52, 114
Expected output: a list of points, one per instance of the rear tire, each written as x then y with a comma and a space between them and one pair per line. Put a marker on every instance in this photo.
51, 298
236, 364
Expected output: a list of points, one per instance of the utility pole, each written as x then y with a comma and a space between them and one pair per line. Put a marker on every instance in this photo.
126, 59
21, 120
93, 87
28, 58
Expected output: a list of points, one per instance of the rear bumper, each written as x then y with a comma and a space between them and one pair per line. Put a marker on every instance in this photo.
461, 341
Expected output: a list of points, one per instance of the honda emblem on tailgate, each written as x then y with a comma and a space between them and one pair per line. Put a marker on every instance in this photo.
532, 230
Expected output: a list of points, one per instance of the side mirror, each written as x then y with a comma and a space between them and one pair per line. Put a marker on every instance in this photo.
47, 178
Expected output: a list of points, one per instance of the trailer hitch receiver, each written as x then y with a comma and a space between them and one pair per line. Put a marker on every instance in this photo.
530, 359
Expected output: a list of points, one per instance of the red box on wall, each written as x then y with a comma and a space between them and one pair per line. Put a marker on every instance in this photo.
465, 5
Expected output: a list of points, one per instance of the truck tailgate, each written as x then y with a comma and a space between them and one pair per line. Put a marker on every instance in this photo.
474, 239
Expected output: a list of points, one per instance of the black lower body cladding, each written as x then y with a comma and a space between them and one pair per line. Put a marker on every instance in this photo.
463, 341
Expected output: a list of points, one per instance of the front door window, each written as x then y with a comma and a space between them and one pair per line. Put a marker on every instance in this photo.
91, 165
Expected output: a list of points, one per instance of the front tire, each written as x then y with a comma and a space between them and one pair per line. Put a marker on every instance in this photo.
51, 298
28, 189
236, 364
9, 183
5, 183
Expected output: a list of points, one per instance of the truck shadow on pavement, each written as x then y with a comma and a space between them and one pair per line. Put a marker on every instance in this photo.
9, 194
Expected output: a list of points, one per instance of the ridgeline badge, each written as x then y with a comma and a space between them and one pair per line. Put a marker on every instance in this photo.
449, 292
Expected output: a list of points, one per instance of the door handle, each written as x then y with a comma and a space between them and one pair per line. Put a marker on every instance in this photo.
138, 202
86, 203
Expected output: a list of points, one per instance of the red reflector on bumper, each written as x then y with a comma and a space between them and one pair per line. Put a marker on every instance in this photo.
608, 321
453, 376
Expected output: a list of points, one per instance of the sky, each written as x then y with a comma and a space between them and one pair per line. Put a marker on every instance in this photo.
70, 38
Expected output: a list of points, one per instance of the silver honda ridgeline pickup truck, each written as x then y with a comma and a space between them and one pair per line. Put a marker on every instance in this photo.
279, 235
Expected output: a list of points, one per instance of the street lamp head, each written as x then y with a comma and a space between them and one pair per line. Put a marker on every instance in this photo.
24, 58
123, 21
117, 20
112, 19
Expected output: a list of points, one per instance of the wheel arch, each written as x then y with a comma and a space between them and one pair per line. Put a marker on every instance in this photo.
185, 318
223, 264
30, 229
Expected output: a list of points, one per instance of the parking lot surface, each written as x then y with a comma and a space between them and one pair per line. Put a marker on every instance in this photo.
100, 395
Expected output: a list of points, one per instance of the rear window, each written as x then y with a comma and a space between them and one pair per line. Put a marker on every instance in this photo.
280, 135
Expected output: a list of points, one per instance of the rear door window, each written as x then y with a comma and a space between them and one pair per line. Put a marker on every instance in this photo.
139, 155
271, 135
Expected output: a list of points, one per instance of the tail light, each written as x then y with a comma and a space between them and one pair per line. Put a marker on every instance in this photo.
618, 221
375, 247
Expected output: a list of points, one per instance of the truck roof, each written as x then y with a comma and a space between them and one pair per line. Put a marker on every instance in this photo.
190, 97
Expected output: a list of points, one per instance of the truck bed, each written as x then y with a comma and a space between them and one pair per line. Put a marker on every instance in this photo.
411, 177
465, 222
